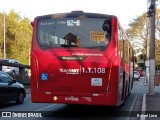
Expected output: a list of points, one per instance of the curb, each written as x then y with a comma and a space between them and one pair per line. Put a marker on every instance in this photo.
27, 90
143, 109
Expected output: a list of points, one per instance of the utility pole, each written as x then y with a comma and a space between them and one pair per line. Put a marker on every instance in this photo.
147, 49
4, 36
147, 54
152, 12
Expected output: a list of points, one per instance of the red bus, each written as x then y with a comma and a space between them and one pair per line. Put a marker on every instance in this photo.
80, 58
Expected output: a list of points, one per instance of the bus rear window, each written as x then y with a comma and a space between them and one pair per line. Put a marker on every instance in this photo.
73, 32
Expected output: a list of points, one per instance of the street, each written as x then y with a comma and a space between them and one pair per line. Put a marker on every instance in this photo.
63, 111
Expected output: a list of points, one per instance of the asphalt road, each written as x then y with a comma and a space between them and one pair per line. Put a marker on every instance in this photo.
71, 112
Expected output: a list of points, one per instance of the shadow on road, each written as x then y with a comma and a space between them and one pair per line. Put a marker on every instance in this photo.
85, 111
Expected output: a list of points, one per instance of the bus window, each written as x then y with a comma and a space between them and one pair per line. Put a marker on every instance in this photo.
107, 27
67, 32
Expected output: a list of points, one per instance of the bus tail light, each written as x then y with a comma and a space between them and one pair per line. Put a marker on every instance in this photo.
55, 98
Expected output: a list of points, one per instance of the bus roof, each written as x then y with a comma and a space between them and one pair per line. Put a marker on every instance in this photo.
76, 14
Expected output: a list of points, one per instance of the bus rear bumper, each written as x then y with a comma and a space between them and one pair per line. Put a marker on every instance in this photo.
88, 99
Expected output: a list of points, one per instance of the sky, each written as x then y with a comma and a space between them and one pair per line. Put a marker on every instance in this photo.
125, 10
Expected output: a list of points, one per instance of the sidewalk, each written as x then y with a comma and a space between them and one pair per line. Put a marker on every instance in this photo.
153, 101
151, 105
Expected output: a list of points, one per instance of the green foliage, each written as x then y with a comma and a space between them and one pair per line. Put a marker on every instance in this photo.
157, 52
18, 37
139, 29
1, 34
142, 57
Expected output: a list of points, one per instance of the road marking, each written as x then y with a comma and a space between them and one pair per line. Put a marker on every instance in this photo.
46, 107
131, 108
143, 110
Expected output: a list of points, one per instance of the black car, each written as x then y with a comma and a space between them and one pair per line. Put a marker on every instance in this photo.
10, 89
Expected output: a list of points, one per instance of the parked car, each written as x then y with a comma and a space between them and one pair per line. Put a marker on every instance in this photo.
136, 75
10, 89
141, 72
13, 71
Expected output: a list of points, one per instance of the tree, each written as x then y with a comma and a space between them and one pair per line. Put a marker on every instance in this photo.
139, 30
1, 34
18, 37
